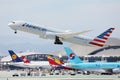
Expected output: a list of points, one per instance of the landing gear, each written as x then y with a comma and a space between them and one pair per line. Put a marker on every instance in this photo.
57, 40
15, 32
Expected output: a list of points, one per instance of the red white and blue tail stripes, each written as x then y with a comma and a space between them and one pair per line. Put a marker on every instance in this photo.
102, 38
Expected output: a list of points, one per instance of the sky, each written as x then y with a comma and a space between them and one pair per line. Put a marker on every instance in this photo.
74, 15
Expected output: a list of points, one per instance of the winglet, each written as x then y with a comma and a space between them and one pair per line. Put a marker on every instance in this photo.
71, 55
102, 38
14, 57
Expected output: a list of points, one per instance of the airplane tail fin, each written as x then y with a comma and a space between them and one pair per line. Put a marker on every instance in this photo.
51, 60
102, 38
24, 59
71, 55
57, 63
54, 61
14, 57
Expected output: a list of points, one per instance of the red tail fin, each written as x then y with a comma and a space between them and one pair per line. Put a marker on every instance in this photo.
51, 60
54, 62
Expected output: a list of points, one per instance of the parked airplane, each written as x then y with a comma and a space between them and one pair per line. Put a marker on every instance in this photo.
59, 35
77, 63
25, 63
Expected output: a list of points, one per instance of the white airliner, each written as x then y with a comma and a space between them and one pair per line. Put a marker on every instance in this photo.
25, 63
59, 36
32, 64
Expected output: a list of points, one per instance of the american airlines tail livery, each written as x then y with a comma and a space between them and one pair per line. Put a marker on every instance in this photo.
59, 35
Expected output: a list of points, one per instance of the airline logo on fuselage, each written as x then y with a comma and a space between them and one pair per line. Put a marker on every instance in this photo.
72, 56
34, 27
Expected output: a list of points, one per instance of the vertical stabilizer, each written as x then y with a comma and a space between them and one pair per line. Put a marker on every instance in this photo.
102, 38
14, 57
71, 55
51, 60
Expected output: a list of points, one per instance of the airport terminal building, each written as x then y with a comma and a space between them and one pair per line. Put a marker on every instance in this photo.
86, 53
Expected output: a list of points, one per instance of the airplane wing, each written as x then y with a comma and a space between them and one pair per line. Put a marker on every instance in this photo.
67, 35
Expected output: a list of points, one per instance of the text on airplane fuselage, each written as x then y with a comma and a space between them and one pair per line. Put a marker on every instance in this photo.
34, 27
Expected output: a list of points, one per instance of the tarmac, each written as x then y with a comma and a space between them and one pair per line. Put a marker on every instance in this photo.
8, 75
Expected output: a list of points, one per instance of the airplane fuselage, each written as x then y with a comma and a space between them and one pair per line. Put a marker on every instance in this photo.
102, 67
47, 32
96, 65
32, 64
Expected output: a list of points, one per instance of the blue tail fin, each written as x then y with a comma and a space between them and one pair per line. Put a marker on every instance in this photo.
102, 38
14, 57
71, 55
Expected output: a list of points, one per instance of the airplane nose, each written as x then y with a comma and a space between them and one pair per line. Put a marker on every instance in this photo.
10, 24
